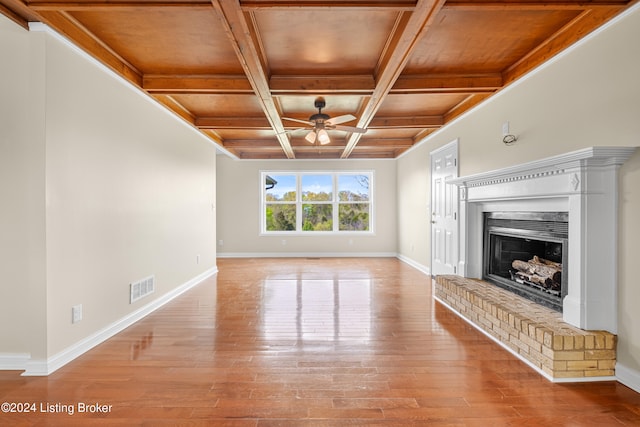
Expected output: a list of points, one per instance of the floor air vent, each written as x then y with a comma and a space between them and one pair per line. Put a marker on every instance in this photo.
141, 288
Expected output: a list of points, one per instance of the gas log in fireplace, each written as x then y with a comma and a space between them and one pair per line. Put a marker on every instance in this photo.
525, 252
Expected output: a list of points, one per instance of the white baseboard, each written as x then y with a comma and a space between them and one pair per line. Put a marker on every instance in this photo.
423, 268
629, 377
14, 361
44, 367
307, 254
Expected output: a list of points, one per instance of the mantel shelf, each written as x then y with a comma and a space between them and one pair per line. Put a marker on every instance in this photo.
593, 156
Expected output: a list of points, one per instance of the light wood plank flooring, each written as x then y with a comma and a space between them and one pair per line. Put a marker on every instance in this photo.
310, 342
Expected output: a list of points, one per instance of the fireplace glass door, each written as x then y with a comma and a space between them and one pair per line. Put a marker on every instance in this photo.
524, 252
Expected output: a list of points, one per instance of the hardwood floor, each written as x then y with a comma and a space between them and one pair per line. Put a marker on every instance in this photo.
309, 342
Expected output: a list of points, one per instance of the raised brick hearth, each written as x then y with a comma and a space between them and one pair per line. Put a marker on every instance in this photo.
536, 334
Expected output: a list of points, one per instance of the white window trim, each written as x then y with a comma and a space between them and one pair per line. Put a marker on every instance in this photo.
299, 202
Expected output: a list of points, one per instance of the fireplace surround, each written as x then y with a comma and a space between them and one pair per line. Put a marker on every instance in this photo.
584, 184
560, 212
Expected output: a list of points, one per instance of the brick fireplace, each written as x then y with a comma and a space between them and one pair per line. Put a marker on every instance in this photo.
581, 185
534, 333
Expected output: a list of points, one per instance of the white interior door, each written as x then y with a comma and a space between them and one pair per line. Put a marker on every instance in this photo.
444, 210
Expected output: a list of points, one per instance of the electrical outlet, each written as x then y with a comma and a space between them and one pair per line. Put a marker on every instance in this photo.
198, 259
220, 242
76, 313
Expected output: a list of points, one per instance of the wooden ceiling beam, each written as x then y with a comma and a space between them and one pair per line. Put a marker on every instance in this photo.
533, 6
422, 134
410, 29
468, 103
244, 123
318, 85
261, 155
241, 38
176, 107
252, 123
336, 143
365, 84
418, 122
17, 12
319, 154
252, 144
404, 5
447, 83
386, 154
261, 123
107, 5
197, 84
388, 143
343, 84
332, 146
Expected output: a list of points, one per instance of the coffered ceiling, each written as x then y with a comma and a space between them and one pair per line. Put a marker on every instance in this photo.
236, 69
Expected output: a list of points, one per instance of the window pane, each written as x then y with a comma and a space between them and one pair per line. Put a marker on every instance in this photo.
353, 188
317, 217
354, 217
280, 188
281, 217
317, 188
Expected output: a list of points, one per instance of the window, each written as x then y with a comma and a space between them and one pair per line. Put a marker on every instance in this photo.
316, 202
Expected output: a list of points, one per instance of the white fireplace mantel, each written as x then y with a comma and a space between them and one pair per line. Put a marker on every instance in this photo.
583, 183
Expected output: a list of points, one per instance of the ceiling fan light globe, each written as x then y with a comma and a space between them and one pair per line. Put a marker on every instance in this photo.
311, 137
323, 137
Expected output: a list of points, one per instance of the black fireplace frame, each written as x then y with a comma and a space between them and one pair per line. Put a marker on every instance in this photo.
538, 226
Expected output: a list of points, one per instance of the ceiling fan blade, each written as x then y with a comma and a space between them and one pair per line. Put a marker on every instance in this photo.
349, 129
306, 122
340, 119
291, 132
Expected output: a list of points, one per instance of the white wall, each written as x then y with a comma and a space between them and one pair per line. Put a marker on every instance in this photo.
414, 212
239, 211
585, 97
118, 188
22, 195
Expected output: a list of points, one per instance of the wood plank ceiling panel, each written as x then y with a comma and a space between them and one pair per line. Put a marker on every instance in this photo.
166, 41
448, 49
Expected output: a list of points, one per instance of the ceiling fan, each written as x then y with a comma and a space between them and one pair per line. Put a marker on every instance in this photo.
320, 122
